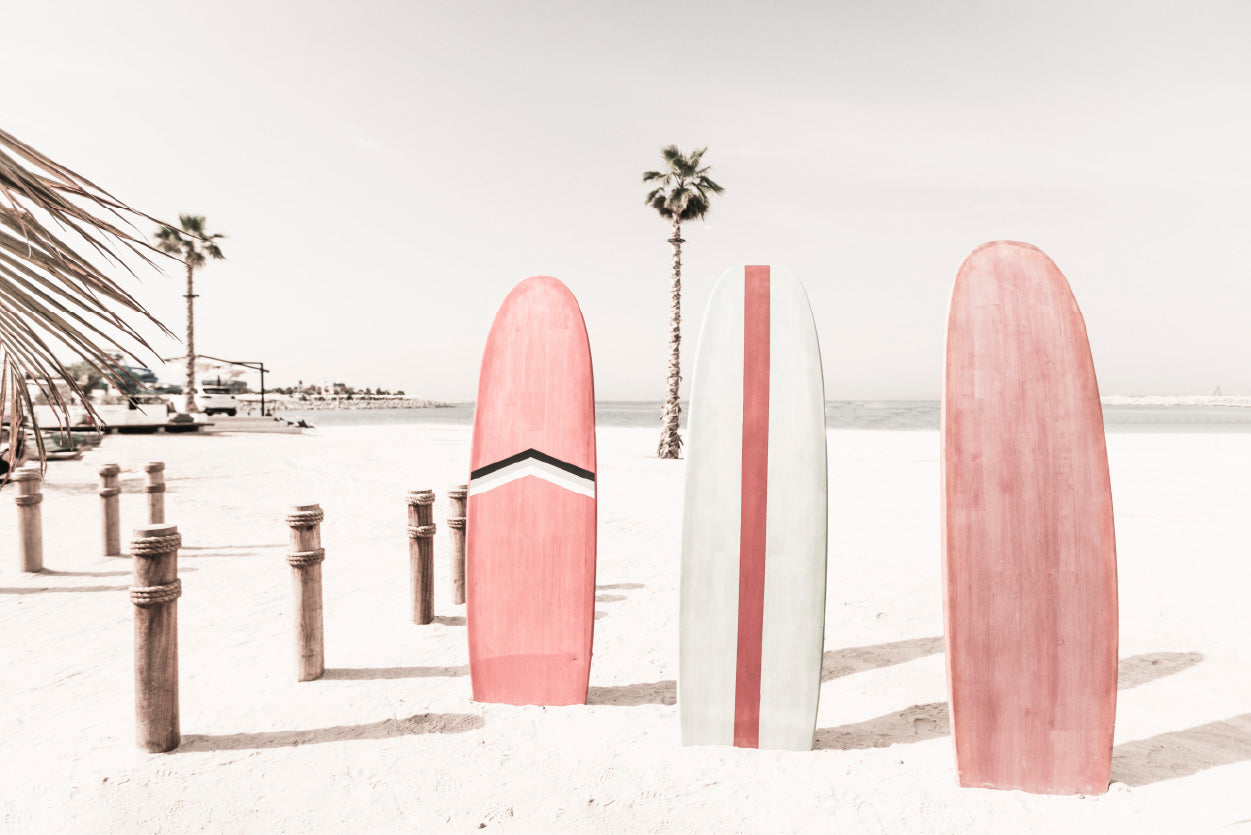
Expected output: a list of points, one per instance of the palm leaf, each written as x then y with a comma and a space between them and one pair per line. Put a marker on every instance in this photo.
54, 299
683, 190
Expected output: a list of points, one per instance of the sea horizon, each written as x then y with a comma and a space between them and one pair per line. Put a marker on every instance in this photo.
1120, 415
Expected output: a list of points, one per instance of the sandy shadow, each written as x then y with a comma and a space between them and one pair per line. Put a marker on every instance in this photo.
55, 573
1141, 669
633, 695
1162, 757
843, 662
362, 673
450, 620
609, 598
622, 586
1167, 752
600, 615
57, 590
915, 724
214, 552
422, 723
1175, 754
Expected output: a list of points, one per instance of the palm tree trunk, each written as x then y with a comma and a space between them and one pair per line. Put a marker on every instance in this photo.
188, 388
670, 441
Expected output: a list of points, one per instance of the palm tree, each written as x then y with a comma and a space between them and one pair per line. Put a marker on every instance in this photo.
681, 193
52, 298
193, 249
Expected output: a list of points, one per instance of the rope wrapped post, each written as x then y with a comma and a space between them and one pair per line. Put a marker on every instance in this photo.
421, 554
112, 524
457, 497
155, 595
305, 559
29, 518
156, 491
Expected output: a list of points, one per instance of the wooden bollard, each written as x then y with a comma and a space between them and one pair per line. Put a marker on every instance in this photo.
111, 525
156, 491
456, 498
155, 595
29, 518
305, 559
421, 553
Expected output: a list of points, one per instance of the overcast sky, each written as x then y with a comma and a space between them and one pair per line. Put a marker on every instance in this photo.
386, 171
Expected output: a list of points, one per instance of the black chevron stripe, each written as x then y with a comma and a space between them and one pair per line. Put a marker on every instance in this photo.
573, 469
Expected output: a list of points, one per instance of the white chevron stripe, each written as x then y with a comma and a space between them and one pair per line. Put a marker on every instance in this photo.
538, 469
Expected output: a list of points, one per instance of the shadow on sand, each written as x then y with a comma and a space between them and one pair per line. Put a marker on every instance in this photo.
930, 721
450, 620
48, 572
1176, 754
422, 723
616, 586
843, 662
55, 589
53, 573
633, 695
364, 673
226, 550
915, 724
1141, 669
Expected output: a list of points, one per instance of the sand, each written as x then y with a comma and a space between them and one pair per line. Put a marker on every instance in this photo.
389, 739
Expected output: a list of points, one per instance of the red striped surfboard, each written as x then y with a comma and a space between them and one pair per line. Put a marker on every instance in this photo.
530, 529
752, 592
1028, 544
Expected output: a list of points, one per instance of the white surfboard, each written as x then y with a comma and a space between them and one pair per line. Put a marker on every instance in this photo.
752, 613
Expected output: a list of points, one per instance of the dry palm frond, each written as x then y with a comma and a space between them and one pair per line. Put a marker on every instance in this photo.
52, 296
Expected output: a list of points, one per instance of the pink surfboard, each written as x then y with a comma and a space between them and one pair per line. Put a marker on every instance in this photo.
530, 531
1029, 554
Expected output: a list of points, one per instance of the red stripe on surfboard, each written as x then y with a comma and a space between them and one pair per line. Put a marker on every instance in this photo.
751, 566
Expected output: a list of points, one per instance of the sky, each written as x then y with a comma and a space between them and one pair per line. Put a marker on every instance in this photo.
386, 171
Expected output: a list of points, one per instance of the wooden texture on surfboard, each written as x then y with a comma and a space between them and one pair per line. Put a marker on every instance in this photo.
1028, 542
530, 520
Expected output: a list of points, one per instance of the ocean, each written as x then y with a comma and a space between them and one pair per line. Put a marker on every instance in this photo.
839, 414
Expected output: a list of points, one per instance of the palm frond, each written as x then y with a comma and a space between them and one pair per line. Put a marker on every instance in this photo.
695, 207
687, 183
192, 224
54, 298
677, 198
706, 184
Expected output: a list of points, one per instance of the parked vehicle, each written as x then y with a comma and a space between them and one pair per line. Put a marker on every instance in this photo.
214, 400
144, 412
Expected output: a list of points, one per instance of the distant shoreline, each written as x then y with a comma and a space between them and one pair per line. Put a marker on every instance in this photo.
286, 404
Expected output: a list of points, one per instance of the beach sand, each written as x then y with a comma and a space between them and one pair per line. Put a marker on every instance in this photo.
389, 739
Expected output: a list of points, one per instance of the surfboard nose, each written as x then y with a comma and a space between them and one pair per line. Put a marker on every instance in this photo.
542, 285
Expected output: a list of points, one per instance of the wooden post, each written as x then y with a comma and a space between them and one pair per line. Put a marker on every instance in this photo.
156, 491
421, 553
29, 518
457, 498
305, 559
112, 525
155, 595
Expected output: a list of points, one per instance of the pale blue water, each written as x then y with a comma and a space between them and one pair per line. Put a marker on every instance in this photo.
839, 414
